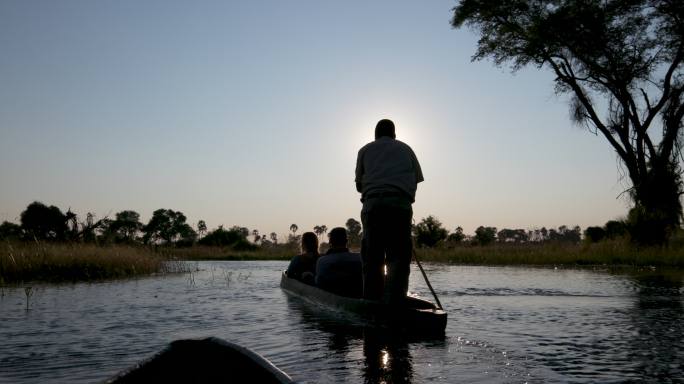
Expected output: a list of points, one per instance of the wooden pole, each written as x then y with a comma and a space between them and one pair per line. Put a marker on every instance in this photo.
415, 257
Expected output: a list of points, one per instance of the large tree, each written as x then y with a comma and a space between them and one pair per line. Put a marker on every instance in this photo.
168, 226
222, 237
429, 232
485, 235
10, 231
43, 222
126, 226
354, 231
621, 62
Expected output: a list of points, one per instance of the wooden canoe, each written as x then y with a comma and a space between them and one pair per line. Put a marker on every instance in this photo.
417, 317
210, 360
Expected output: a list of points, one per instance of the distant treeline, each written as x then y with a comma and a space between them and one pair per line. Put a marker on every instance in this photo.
429, 232
169, 227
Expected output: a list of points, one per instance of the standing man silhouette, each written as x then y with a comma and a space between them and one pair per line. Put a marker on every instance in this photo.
387, 175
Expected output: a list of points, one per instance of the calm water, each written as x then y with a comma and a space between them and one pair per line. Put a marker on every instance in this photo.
505, 325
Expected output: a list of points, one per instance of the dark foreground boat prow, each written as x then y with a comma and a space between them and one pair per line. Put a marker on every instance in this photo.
210, 360
418, 317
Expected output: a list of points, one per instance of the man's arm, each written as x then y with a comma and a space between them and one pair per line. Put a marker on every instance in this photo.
359, 171
416, 168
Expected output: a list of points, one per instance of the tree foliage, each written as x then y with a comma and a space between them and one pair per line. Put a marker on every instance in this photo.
594, 234
43, 222
168, 226
126, 226
615, 229
626, 54
457, 236
201, 228
565, 235
485, 235
429, 231
516, 236
319, 230
244, 231
222, 237
10, 231
353, 231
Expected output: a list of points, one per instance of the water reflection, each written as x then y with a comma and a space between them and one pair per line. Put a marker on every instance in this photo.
658, 319
508, 325
387, 359
386, 354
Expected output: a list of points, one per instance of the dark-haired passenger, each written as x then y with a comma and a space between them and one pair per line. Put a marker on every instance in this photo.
303, 267
340, 271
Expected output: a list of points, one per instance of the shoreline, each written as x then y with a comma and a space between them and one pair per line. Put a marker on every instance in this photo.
607, 254
21, 263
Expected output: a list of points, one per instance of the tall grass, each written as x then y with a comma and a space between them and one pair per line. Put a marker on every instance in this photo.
24, 262
200, 252
606, 253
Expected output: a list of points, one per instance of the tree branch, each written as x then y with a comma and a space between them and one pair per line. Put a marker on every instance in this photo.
673, 125
646, 100
582, 97
667, 87
632, 115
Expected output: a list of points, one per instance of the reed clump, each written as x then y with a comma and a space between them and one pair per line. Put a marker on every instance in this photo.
54, 262
616, 252
201, 252
606, 253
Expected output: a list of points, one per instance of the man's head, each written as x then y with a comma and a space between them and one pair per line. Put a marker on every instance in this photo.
338, 237
385, 127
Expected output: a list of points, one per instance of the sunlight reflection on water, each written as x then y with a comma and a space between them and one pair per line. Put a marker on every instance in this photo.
505, 325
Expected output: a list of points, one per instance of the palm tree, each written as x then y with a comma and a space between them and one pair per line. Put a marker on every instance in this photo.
274, 238
201, 228
255, 233
294, 228
318, 230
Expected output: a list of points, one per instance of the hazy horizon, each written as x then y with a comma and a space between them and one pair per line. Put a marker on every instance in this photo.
251, 114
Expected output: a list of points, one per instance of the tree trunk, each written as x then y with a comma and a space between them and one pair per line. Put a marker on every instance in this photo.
658, 209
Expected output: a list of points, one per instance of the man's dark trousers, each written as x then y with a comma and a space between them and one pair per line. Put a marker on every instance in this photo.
386, 240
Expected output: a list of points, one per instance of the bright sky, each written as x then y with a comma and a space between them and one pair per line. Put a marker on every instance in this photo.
251, 113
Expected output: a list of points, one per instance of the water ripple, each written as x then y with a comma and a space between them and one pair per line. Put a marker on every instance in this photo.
505, 325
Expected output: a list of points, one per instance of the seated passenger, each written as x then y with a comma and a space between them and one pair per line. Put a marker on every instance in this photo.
302, 267
340, 271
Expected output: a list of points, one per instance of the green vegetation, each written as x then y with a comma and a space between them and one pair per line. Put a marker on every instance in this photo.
429, 231
200, 252
52, 246
613, 253
607, 245
24, 262
616, 252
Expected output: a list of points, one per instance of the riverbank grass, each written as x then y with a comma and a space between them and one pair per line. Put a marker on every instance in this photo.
617, 253
48, 262
200, 252
25, 262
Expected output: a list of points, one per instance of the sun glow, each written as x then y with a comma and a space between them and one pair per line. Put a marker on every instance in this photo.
411, 119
